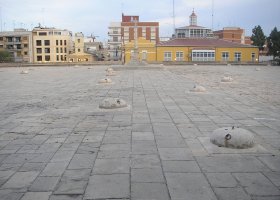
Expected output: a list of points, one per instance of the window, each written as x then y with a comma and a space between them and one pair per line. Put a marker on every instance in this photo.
56, 42
237, 56
25, 45
39, 58
65, 42
79, 50
225, 56
181, 35
253, 56
47, 58
47, 50
42, 33
39, 50
47, 43
1, 38
61, 57
79, 40
57, 58
65, 50
61, 50
115, 39
61, 42
203, 55
38, 42
167, 56
57, 50
179, 56
25, 53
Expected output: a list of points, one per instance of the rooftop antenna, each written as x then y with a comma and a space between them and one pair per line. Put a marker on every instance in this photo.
1, 18
174, 16
212, 14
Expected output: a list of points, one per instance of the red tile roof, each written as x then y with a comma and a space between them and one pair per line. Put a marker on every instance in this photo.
202, 42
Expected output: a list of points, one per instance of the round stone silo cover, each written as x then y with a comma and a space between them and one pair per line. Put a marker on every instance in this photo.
232, 137
113, 103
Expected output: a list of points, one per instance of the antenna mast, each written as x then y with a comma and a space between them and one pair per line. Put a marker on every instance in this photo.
212, 14
174, 16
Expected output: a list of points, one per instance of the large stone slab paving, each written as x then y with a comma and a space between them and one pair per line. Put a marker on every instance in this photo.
147, 191
189, 186
108, 186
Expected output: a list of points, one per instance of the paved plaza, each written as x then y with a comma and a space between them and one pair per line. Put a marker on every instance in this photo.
57, 144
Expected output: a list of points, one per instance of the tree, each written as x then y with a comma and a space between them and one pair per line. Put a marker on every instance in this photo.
258, 37
5, 56
273, 43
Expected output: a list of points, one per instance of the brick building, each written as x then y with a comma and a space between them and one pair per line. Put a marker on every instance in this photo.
233, 34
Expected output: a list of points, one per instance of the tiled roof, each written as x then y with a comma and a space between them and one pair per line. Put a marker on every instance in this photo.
202, 42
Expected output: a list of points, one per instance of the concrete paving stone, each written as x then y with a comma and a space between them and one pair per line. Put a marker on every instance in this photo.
66, 197
274, 177
145, 161
147, 175
32, 167
54, 169
175, 154
55, 139
221, 180
108, 187
266, 198
5, 175
36, 195
115, 147
144, 147
188, 130
140, 127
230, 163
28, 148
69, 147
111, 166
143, 136
231, 194
123, 139
180, 188
87, 148
21, 180
7, 194
10, 167
256, 184
74, 139
180, 166
82, 161
38, 139
62, 156
48, 148
108, 154
176, 142
273, 162
44, 184
196, 147
41, 157
71, 186
148, 191
19, 158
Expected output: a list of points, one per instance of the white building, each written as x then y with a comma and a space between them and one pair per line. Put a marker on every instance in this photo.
115, 41
193, 30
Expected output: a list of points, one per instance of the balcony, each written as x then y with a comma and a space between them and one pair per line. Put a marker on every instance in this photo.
114, 33
114, 41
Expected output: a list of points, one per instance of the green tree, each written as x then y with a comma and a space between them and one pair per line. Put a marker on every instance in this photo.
273, 43
5, 56
258, 37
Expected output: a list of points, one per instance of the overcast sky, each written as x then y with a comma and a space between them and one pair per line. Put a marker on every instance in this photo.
94, 16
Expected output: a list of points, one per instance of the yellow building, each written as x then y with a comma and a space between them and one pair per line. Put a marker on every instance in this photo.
206, 50
79, 55
51, 45
146, 50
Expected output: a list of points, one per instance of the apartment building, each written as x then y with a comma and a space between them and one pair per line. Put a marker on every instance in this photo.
18, 43
132, 27
115, 41
51, 44
193, 30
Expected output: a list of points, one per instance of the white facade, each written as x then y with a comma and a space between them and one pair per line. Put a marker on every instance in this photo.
115, 41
